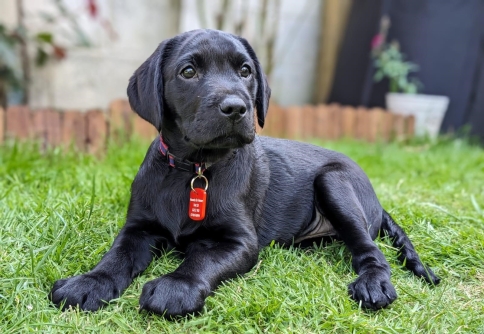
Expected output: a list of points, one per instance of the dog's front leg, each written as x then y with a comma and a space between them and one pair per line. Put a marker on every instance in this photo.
129, 255
207, 262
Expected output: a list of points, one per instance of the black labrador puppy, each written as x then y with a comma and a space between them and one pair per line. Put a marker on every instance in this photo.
213, 189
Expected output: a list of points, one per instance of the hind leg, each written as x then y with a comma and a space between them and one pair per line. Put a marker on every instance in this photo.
348, 201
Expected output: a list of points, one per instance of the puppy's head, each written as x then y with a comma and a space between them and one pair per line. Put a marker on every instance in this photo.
203, 85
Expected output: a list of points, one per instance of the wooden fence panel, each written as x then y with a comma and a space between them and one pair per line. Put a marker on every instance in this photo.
387, 126
38, 131
53, 125
336, 121
258, 129
294, 122
2, 125
269, 121
375, 124
323, 122
278, 122
143, 129
90, 131
74, 129
398, 126
361, 116
97, 131
120, 121
410, 125
18, 122
308, 114
46, 127
348, 122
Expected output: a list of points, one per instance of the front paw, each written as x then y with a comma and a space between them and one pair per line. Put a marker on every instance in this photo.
89, 291
172, 295
373, 289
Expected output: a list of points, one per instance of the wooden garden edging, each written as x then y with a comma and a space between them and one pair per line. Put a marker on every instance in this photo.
331, 122
89, 131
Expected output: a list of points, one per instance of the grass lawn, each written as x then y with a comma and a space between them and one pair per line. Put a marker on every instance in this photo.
59, 213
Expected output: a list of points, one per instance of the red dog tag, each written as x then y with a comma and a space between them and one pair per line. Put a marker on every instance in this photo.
198, 203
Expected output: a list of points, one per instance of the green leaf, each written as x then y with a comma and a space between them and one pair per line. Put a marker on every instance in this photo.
8, 55
411, 89
45, 37
41, 57
379, 75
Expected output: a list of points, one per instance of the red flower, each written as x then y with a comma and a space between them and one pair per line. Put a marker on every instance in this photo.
92, 8
59, 52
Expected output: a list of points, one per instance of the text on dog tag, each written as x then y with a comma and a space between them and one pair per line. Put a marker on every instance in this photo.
197, 204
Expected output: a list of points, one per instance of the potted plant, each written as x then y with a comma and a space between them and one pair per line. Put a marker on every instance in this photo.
403, 97
10, 77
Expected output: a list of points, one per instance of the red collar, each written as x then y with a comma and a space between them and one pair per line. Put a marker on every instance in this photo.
187, 166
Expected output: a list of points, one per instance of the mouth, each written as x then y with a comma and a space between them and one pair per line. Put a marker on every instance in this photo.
225, 141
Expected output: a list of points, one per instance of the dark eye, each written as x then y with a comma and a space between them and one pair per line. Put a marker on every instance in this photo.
188, 72
245, 71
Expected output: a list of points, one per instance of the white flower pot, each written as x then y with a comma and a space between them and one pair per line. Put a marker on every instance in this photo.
429, 110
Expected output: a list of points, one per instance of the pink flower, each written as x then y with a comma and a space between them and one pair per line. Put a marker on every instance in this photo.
377, 41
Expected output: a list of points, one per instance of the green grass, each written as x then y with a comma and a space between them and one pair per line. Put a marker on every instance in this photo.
60, 212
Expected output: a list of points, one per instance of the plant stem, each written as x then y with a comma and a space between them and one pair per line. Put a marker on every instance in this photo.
3, 95
393, 86
24, 55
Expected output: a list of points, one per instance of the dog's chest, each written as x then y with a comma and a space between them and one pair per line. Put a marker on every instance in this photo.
172, 199
174, 210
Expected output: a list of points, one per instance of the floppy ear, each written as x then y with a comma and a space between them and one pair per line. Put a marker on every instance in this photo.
263, 91
145, 88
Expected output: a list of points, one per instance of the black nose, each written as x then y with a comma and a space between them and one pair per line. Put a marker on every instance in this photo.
233, 107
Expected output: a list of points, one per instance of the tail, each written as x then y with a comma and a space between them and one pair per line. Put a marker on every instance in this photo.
406, 253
